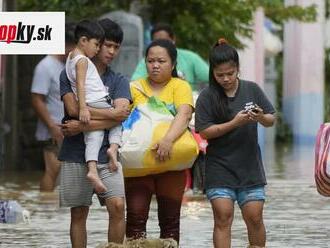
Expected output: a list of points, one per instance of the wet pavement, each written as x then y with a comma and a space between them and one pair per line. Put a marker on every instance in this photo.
295, 215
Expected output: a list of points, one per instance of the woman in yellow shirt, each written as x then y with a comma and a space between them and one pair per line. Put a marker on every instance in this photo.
168, 187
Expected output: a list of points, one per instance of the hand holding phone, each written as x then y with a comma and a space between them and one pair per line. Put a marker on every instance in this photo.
250, 106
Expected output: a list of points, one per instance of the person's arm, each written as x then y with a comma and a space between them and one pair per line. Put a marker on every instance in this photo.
119, 113
206, 121
183, 102
178, 127
81, 70
73, 127
265, 113
71, 105
180, 123
68, 97
241, 118
218, 130
267, 120
40, 88
39, 106
122, 98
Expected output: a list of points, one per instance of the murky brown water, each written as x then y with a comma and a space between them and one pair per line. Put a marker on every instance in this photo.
295, 215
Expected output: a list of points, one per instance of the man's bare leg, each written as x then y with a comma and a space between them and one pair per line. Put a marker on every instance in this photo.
52, 169
78, 233
116, 210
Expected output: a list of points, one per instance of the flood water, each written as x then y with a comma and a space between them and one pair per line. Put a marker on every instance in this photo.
295, 215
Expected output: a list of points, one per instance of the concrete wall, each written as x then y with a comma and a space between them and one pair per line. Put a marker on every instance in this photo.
252, 67
303, 82
252, 57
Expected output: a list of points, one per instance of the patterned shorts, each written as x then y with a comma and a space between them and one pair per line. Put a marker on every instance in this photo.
76, 190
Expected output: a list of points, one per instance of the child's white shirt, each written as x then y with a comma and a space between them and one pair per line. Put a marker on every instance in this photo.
94, 87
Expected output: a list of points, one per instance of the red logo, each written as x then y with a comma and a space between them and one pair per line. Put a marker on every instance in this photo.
24, 33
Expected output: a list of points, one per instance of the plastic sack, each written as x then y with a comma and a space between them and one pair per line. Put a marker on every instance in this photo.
322, 160
198, 171
11, 212
145, 126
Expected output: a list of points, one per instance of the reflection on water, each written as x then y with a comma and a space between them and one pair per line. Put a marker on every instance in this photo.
289, 162
295, 215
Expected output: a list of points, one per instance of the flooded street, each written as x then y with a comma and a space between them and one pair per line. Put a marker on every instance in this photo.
295, 215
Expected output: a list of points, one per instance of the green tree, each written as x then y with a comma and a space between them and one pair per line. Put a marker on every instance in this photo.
75, 9
197, 23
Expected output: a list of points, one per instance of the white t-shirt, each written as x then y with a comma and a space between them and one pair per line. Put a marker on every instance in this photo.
94, 87
46, 82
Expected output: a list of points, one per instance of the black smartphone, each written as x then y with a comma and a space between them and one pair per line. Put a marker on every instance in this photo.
255, 110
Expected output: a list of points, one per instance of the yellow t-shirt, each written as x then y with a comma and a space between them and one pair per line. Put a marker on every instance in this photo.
175, 93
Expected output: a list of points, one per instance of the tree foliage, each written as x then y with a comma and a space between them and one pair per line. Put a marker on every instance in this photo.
75, 9
197, 23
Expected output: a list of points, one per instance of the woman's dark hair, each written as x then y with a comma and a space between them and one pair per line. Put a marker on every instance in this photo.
221, 53
90, 29
170, 48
